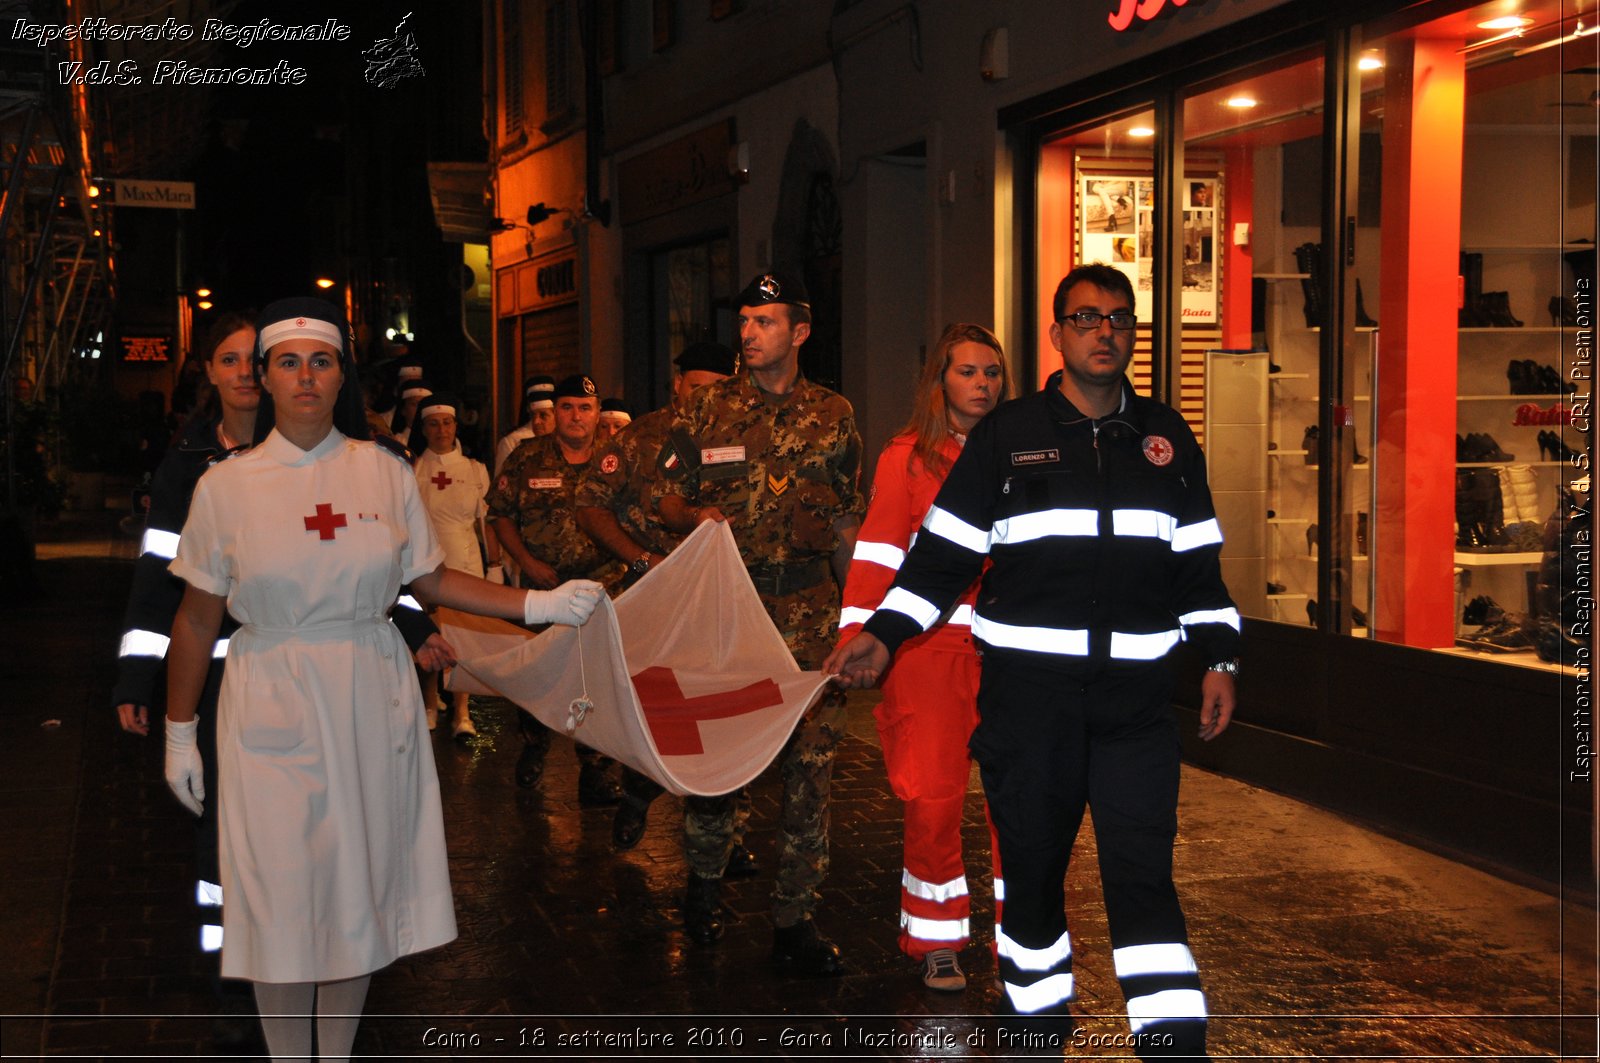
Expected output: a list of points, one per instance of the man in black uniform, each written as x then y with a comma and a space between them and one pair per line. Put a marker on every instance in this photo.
1091, 504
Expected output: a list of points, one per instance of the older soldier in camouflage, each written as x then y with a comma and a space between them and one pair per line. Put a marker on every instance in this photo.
532, 508
779, 459
615, 509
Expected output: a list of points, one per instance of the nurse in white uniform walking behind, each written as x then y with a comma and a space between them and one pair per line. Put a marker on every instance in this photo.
332, 839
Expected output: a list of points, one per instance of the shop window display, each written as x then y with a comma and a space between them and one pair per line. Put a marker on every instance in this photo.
1396, 414
1099, 202
1250, 238
1482, 112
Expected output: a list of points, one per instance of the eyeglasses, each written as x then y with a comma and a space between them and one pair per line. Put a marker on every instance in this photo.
1122, 320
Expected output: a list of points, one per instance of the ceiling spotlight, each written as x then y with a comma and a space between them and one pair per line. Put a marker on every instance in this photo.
1369, 62
1508, 22
1141, 131
1241, 102
325, 282
202, 292
204, 304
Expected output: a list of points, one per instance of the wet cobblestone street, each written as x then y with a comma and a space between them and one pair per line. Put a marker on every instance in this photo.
1316, 936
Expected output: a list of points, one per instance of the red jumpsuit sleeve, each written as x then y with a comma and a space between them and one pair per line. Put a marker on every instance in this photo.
881, 544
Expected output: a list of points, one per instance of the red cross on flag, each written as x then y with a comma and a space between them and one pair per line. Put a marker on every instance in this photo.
691, 683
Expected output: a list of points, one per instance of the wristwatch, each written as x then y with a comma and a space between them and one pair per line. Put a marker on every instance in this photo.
640, 565
1231, 667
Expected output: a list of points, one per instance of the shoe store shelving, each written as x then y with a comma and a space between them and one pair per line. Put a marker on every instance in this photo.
1473, 559
1510, 414
1293, 401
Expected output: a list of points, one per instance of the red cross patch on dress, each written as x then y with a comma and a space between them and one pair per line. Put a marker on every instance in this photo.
1158, 449
440, 480
326, 522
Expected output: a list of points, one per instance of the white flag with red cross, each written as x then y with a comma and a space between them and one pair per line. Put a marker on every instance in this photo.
691, 683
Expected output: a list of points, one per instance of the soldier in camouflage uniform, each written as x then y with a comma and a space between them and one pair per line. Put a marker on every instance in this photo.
615, 509
779, 459
532, 511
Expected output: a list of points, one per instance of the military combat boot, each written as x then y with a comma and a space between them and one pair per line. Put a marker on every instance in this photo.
702, 918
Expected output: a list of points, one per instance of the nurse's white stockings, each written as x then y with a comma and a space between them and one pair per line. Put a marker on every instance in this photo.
287, 1009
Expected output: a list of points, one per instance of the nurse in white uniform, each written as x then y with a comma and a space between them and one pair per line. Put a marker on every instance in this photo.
453, 488
332, 840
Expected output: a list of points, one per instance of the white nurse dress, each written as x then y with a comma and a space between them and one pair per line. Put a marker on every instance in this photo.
332, 838
453, 488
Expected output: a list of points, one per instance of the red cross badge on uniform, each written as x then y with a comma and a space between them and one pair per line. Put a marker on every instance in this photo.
609, 464
440, 480
1158, 449
326, 522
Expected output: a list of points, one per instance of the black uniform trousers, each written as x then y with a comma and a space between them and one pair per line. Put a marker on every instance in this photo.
1049, 744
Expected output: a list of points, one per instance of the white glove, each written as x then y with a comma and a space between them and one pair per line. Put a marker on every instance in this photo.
494, 574
184, 773
572, 603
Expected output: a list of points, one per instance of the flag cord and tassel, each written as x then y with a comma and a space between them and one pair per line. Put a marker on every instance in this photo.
581, 705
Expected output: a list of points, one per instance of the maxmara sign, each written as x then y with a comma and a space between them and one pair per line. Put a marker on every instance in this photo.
171, 194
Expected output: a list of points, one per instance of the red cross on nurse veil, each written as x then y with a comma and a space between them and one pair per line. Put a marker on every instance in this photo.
674, 719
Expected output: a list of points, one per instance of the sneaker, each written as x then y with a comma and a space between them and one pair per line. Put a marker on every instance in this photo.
941, 970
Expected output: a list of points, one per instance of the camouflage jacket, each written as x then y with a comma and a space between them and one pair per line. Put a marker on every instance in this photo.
622, 475
781, 468
536, 489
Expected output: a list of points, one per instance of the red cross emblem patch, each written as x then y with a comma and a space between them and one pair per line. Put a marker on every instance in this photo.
325, 522
1158, 449
609, 464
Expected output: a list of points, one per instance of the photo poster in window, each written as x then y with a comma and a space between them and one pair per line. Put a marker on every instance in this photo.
1200, 251
1115, 214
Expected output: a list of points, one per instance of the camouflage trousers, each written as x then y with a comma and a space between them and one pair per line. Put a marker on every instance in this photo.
805, 766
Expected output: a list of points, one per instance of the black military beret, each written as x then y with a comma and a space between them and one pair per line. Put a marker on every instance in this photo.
775, 286
708, 357
577, 386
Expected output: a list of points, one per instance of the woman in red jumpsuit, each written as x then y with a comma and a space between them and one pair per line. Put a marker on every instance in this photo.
929, 706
